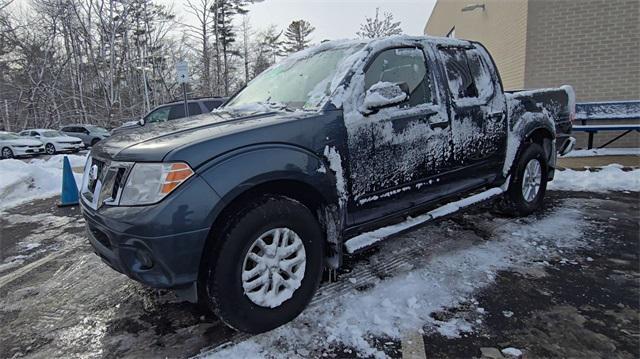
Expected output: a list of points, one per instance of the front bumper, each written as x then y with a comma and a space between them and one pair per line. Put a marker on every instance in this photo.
159, 245
27, 151
63, 147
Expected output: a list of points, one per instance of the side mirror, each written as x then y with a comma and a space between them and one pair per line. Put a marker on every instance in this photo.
384, 94
141, 122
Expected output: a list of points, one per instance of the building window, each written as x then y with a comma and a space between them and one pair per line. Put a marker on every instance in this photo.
452, 32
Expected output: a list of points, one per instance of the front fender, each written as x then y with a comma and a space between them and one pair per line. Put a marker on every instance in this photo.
235, 172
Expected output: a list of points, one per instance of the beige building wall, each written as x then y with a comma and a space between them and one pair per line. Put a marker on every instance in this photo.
593, 45
501, 27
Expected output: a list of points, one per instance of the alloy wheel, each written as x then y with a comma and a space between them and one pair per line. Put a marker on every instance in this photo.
531, 180
274, 267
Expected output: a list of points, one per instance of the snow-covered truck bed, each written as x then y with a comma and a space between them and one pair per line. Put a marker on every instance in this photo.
243, 208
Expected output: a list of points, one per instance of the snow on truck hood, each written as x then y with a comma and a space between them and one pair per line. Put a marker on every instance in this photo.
152, 142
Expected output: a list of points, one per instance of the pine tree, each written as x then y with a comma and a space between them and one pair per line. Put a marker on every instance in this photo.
297, 36
376, 27
224, 11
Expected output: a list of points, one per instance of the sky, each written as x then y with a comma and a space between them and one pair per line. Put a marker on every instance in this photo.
335, 19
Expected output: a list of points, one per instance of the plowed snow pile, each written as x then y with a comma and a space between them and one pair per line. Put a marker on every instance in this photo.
24, 181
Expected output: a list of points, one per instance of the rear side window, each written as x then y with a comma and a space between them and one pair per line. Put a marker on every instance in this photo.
480, 73
211, 105
194, 109
401, 65
467, 73
461, 82
177, 111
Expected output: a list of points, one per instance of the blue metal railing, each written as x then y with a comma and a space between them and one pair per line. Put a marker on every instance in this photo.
607, 111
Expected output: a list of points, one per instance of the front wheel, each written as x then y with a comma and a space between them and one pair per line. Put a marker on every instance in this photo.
267, 265
528, 181
50, 149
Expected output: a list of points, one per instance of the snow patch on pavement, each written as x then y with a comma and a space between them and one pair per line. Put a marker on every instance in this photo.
608, 178
404, 303
21, 181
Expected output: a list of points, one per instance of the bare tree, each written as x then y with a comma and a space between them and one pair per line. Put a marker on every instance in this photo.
378, 27
202, 32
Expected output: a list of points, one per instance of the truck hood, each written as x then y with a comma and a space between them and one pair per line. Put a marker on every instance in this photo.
152, 142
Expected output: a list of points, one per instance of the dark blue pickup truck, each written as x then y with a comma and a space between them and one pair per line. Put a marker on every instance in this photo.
322, 155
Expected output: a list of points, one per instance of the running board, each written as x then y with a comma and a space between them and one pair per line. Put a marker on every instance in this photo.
366, 240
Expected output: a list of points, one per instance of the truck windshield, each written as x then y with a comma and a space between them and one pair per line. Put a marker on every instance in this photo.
298, 82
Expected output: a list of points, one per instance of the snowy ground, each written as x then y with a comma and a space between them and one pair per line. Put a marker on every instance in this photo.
25, 180
552, 284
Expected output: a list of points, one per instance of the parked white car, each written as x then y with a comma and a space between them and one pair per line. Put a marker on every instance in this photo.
12, 145
55, 141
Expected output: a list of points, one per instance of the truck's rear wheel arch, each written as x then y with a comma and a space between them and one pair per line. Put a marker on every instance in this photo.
543, 137
294, 189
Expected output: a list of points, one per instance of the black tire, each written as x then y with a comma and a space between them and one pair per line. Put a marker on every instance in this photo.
6, 153
50, 149
94, 141
223, 290
514, 201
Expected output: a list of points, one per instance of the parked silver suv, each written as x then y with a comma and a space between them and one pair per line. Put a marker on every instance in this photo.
89, 134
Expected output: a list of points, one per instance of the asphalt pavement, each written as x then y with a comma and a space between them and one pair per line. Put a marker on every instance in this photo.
57, 299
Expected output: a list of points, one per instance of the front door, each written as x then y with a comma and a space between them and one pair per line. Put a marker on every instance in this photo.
394, 152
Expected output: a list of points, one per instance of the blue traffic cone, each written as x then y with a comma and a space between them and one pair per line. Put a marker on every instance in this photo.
69, 196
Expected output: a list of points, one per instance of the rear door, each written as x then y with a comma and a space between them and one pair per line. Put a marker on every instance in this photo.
478, 112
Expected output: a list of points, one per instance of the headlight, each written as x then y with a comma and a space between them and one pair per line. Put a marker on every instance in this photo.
148, 183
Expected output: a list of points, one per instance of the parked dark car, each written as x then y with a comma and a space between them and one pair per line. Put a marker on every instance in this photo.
174, 110
89, 134
244, 208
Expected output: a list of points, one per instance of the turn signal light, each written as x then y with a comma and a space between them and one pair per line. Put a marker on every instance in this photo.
178, 173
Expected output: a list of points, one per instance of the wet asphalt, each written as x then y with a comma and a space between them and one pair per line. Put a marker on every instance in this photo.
57, 299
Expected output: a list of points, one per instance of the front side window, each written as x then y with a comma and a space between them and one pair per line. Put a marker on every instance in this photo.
158, 115
176, 111
401, 65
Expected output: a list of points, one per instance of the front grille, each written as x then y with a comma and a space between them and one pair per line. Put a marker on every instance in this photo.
117, 183
108, 183
100, 167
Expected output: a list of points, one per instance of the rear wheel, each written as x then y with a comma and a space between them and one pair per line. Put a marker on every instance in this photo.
50, 149
267, 265
7, 152
528, 181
